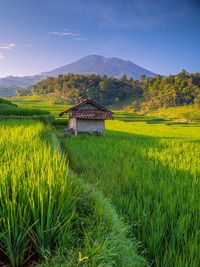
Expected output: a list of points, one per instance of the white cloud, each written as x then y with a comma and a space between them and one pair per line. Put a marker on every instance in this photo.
64, 33
7, 46
2, 56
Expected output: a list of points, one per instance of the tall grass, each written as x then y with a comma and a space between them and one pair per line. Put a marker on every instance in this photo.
37, 198
47, 214
151, 173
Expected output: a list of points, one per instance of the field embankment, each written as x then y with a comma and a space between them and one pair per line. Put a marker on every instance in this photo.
10, 110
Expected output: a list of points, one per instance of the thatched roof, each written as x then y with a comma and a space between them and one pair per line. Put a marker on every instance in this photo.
98, 113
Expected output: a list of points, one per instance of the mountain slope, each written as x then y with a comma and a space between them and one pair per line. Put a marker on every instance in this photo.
92, 64
10, 84
103, 66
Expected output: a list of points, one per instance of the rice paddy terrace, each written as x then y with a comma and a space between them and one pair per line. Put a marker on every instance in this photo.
144, 173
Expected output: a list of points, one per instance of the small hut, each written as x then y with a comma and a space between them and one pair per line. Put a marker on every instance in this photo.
87, 116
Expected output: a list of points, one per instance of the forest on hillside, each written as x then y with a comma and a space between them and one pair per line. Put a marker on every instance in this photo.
149, 93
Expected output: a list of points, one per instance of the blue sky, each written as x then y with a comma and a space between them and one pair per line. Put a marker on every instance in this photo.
40, 35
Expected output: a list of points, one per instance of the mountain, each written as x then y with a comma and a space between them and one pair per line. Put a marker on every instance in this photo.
10, 84
103, 66
93, 64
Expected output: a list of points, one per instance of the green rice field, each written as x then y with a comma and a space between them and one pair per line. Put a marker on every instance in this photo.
127, 199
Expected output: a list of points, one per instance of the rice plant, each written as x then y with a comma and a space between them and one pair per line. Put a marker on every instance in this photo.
37, 198
47, 214
151, 174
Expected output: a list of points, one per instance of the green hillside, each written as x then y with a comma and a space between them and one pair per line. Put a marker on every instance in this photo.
186, 113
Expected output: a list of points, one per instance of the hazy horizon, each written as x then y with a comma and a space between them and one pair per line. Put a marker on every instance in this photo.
38, 36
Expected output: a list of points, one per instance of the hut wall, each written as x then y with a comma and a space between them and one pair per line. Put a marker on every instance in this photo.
72, 123
90, 126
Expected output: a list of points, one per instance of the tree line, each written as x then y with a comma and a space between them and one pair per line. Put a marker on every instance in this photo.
76, 87
173, 90
161, 91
